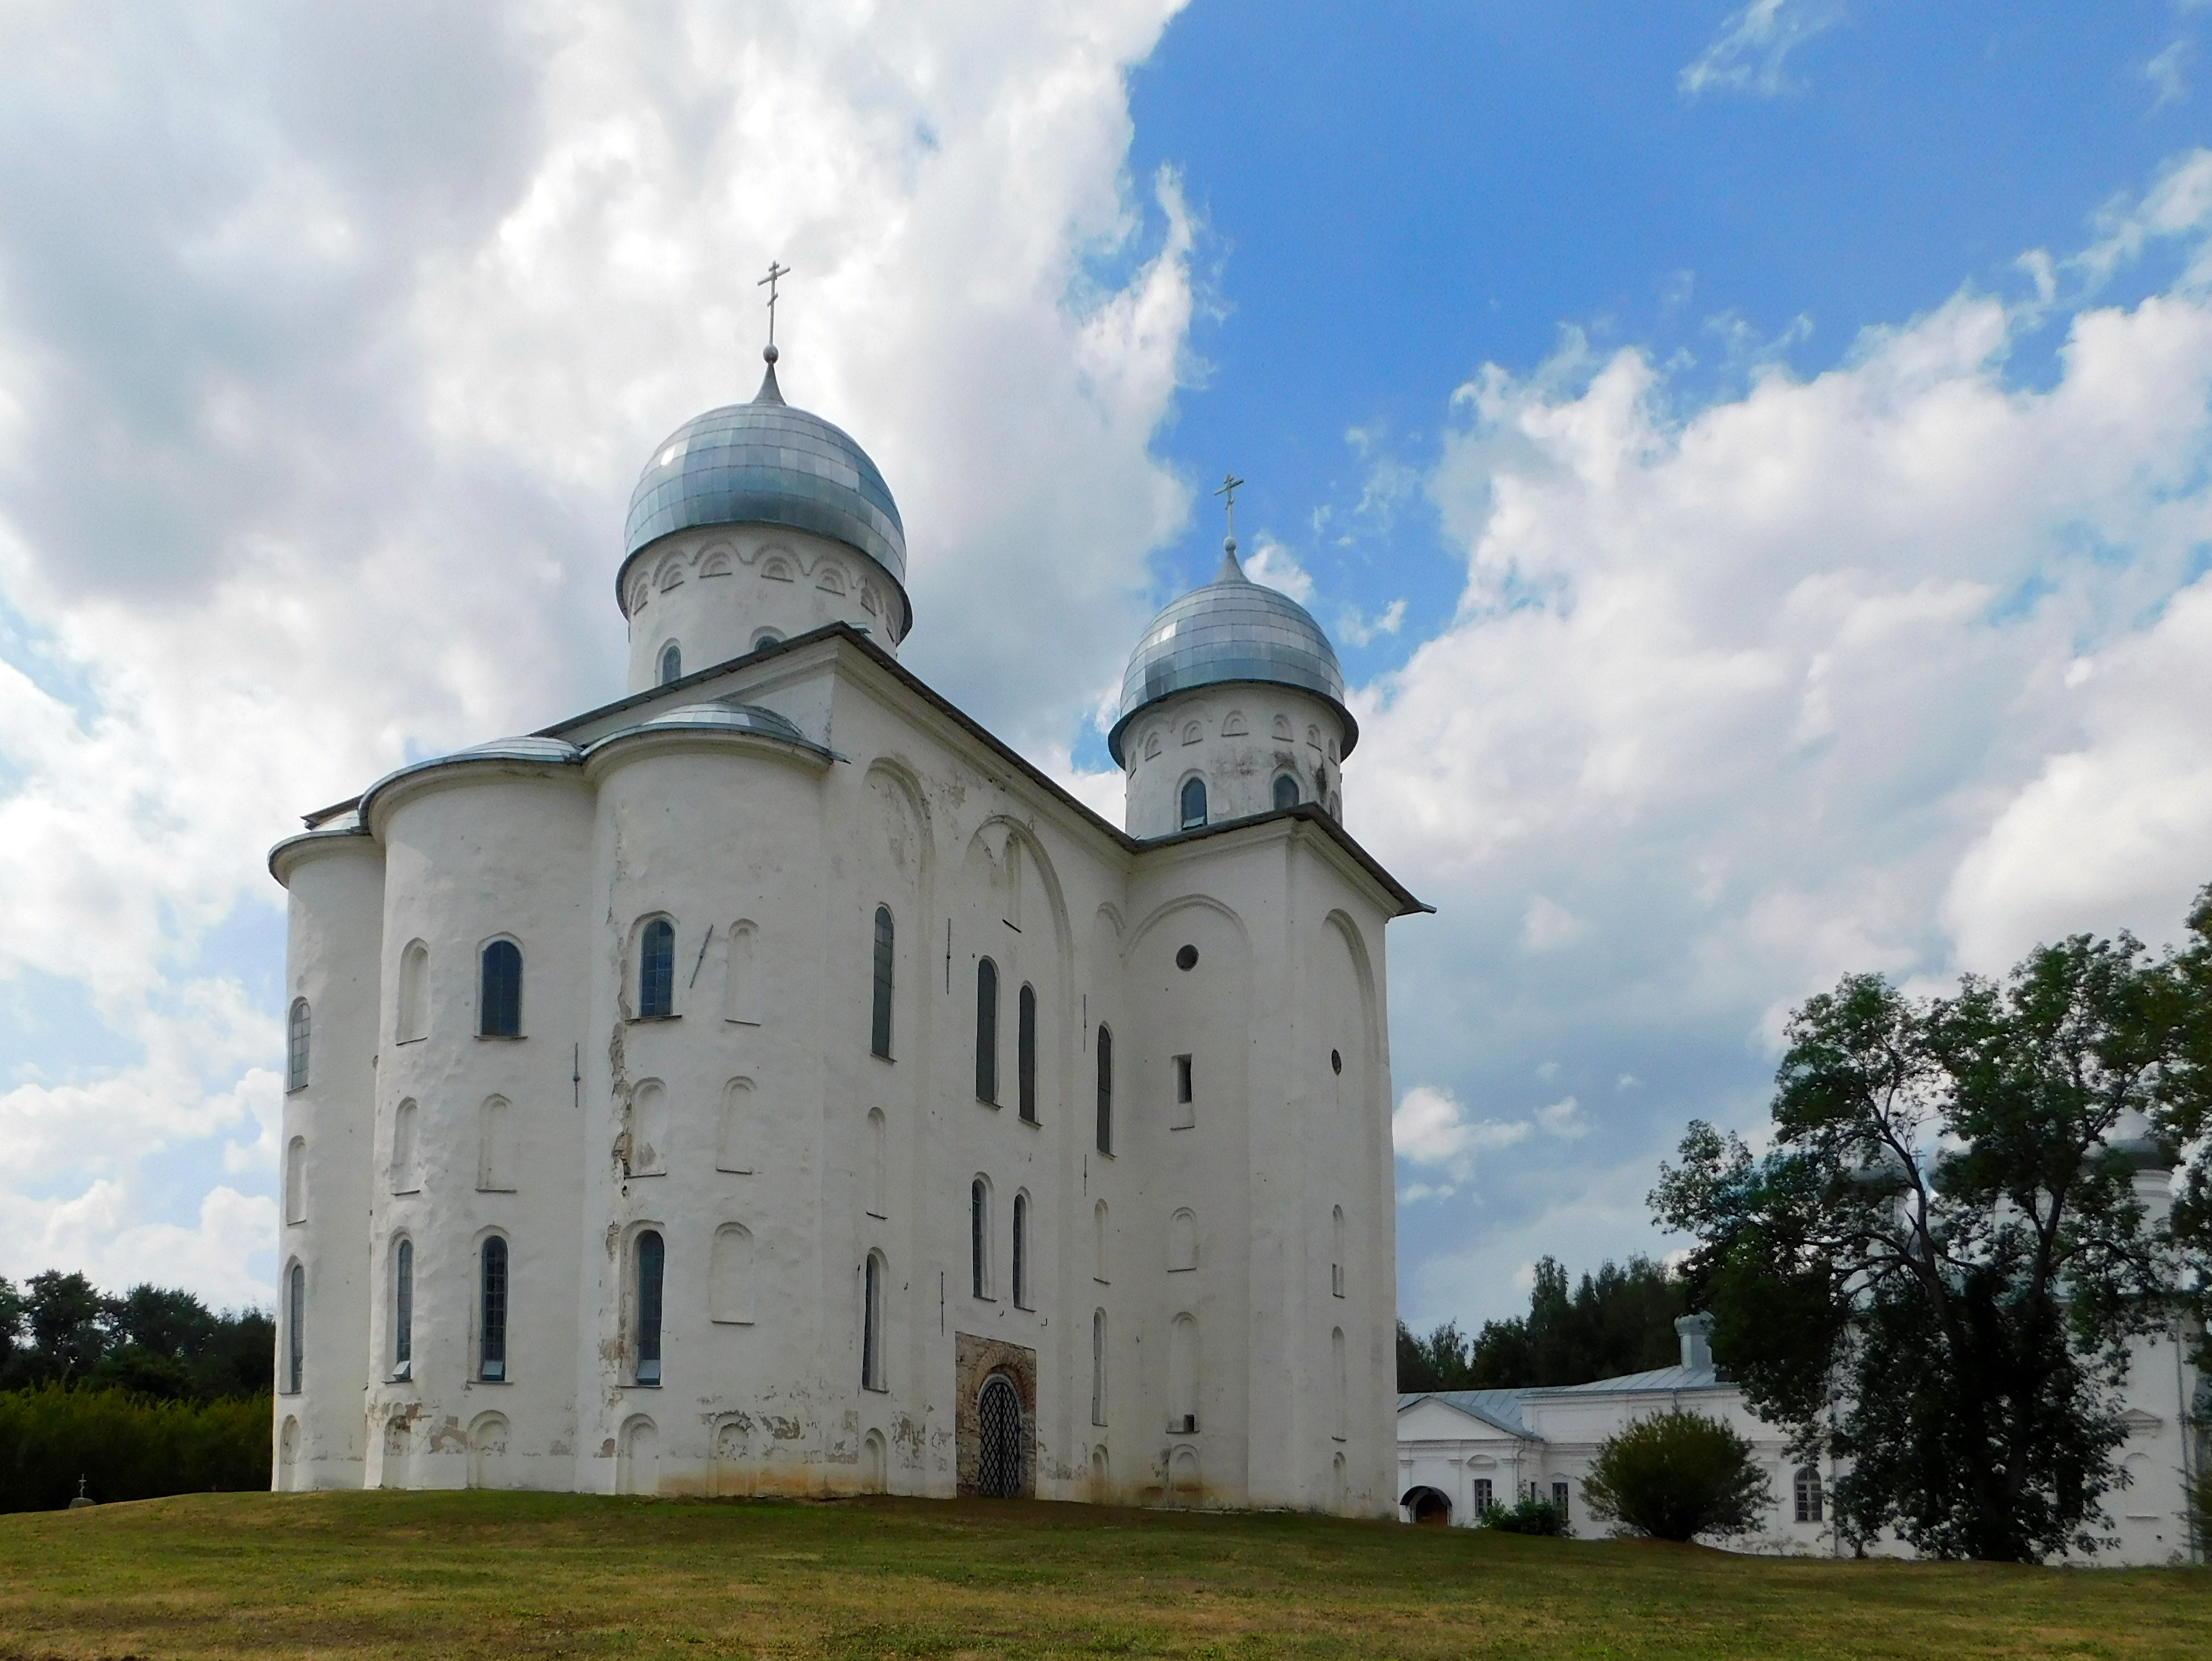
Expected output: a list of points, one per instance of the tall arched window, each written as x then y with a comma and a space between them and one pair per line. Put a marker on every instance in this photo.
730, 1276
1336, 1255
295, 1328
1021, 1250
1182, 1240
1812, 1501
414, 992
656, 969
491, 1345
979, 1238
1341, 1378
295, 1060
1026, 1052
1193, 804
499, 1005
1286, 790
877, 1177
1182, 1374
1098, 1244
879, 1006
1105, 1089
986, 1030
406, 1173
651, 1258
872, 1324
403, 1307
1098, 1366
295, 1181
671, 663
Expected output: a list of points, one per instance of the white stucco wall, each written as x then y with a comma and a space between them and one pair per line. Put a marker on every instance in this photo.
1239, 739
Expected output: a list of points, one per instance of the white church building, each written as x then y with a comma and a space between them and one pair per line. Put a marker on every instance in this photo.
768, 1082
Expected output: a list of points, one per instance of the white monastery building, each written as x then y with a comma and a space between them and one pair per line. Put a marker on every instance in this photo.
768, 1082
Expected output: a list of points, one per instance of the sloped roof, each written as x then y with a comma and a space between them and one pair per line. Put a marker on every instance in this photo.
1660, 1380
1498, 1408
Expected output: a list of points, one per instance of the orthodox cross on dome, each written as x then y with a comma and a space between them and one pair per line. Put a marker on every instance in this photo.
1227, 491
774, 272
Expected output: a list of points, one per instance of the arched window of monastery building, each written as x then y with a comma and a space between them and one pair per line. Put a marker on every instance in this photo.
872, 1324
1193, 802
650, 1259
406, 1168
875, 1178
296, 1327
1098, 1366
499, 1001
295, 1059
295, 1181
1152, 745
987, 1031
1105, 1088
671, 663
1283, 728
879, 1003
1182, 1374
1183, 1240
736, 1135
496, 1147
1286, 790
1102, 1476
414, 992
1336, 1250
640, 590
730, 1276
979, 1238
402, 1308
1232, 724
1336, 1485
869, 603
656, 970
288, 1456
1026, 1052
1099, 1264
488, 1452
1340, 1379
648, 1129
1021, 1260
1812, 1500
491, 1310
741, 990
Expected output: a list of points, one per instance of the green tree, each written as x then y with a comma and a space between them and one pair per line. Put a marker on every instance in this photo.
1439, 1362
64, 1315
1676, 1476
1932, 1274
1620, 1319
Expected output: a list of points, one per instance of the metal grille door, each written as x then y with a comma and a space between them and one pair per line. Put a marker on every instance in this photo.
998, 1416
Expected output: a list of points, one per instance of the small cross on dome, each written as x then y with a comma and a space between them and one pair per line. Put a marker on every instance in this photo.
774, 272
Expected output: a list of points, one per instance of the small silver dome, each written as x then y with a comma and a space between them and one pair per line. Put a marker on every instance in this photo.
528, 748
1233, 629
765, 463
722, 717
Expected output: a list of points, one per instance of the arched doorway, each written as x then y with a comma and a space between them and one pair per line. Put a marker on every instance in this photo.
1427, 1507
998, 1422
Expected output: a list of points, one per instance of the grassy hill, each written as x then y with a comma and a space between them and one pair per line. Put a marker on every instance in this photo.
513, 1574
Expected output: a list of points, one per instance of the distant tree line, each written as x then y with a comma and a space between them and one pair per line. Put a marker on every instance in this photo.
152, 1341
1622, 1319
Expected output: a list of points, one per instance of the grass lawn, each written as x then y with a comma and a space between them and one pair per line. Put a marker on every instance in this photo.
515, 1574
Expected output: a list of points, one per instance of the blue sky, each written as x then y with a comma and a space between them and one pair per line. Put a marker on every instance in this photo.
1753, 461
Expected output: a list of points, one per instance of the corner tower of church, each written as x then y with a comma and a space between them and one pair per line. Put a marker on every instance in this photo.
752, 523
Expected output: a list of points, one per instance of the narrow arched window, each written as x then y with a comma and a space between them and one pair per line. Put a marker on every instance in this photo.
671, 663
1182, 1374
651, 1258
403, 1307
1021, 1250
1342, 1381
1105, 1089
1098, 1366
1812, 1502
414, 992
1026, 1052
872, 1324
656, 969
296, 1063
498, 1006
1287, 791
979, 1239
491, 1347
987, 1031
1336, 1255
879, 1008
1193, 804
295, 1328
295, 1181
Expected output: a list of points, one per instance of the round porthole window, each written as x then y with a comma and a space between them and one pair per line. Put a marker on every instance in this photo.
1336, 1061
1187, 958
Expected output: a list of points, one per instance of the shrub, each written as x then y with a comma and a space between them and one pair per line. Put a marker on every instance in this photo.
1676, 1476
1530, 1516
125, 1446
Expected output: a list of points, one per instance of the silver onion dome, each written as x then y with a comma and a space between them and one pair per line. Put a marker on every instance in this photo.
1231, 630
765, 463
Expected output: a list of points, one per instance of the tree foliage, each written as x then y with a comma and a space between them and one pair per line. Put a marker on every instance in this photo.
1932, 1274
1528, 1515
1620, 1319
150, 1341
1676, 1476
123, 1446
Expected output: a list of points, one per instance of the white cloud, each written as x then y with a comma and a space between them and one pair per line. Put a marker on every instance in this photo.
1271, 563
328, 365
2168, 71
1429, 1127
1546, 926
1750, 52
1564, 1118
1354, 626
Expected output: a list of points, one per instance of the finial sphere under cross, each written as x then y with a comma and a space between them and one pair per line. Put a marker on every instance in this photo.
1227, 491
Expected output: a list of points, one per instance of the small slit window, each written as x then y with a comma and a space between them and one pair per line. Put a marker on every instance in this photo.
1193, 804
295, 1328
879, 1008
979, 1239
872, 1324
296, 1059
499, 1008
491, 1358
656, 970
1025, 1053
1105, 1089
1021, 1264
652, 1259
987, 1031
671, 663
403, 1307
